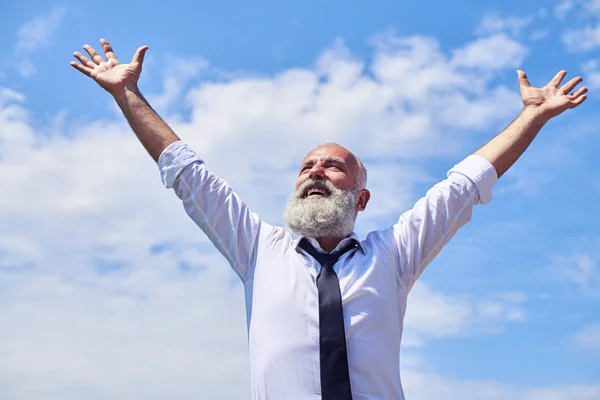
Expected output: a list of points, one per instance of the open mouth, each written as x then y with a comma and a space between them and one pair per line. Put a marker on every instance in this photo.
316, 191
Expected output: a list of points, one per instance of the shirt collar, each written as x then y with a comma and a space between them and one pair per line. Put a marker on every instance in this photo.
340, 245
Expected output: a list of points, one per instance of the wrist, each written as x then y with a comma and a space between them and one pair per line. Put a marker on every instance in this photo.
121, 93
535, 114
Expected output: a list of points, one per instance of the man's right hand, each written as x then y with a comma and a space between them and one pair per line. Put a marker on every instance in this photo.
113, 76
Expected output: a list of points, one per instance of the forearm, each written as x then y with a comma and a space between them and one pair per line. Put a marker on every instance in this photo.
506, 148
149, 127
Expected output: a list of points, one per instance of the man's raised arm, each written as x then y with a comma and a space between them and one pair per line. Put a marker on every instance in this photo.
422, 231
120, 80
207, 199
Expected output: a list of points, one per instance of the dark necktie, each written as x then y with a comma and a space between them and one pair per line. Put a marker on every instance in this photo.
335, 378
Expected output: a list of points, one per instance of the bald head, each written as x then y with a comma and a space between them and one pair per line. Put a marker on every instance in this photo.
361, 175
338, 159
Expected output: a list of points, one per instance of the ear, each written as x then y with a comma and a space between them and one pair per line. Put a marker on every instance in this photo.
363, 198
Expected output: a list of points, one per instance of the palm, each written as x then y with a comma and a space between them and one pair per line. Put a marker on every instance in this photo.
110, 73
551, 100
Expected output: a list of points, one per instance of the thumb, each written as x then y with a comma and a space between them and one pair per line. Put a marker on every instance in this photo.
138, 57
522, 78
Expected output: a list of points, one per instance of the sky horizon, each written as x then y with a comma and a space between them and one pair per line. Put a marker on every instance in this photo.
109, 291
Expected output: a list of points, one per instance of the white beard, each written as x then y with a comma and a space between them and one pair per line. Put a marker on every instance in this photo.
328, 216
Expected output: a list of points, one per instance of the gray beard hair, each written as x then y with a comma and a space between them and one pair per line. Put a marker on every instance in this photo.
329, 216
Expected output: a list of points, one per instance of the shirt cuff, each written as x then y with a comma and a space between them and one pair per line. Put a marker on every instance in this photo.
173, 160
481, 172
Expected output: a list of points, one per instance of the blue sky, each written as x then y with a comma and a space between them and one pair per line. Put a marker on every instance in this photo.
104, 279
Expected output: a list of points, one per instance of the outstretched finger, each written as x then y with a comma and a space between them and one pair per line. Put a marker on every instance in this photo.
578, 93
81, 68
522, 77
107, 48
83, 59
96, 58
567, 87
138, 57
558, 78
578, 101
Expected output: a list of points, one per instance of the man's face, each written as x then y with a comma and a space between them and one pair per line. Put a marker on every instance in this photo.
327, 197
330, 162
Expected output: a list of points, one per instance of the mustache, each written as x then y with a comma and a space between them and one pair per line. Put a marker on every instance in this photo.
315, 183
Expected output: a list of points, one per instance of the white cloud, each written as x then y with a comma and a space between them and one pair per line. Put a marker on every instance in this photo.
70, 327
494, 52
38, 32
428, 386
337, 101
150, 330
584, 39
539, 34
25, 68
85, 301
563, 8
492, 23
589, 337
591, 69
580, 268
177, 74
33, 35
591, 6
8, 95
432, 314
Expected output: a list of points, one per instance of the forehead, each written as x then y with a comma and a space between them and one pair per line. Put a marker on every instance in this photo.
332, 152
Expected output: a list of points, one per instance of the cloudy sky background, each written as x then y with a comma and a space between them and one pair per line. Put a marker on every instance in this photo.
109, 291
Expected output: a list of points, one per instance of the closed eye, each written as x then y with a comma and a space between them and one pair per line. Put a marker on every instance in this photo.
336, 166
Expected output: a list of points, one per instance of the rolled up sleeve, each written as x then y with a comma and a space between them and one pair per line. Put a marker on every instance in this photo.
481, 172
173, 161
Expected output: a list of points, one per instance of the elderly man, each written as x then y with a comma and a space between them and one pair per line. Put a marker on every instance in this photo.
325, 309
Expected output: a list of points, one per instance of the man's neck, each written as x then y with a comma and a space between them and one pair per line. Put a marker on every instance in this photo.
328, 244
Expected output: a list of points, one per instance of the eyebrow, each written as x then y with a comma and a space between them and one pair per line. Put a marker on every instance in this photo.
327, 160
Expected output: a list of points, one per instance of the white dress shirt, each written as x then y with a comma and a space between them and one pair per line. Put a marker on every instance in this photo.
280, 278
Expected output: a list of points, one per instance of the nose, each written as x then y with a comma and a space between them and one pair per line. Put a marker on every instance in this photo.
316, 172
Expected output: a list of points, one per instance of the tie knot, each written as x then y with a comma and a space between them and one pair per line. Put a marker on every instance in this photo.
326, 259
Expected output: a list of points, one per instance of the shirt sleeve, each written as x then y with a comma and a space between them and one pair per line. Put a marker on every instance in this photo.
422, 232
213, 206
